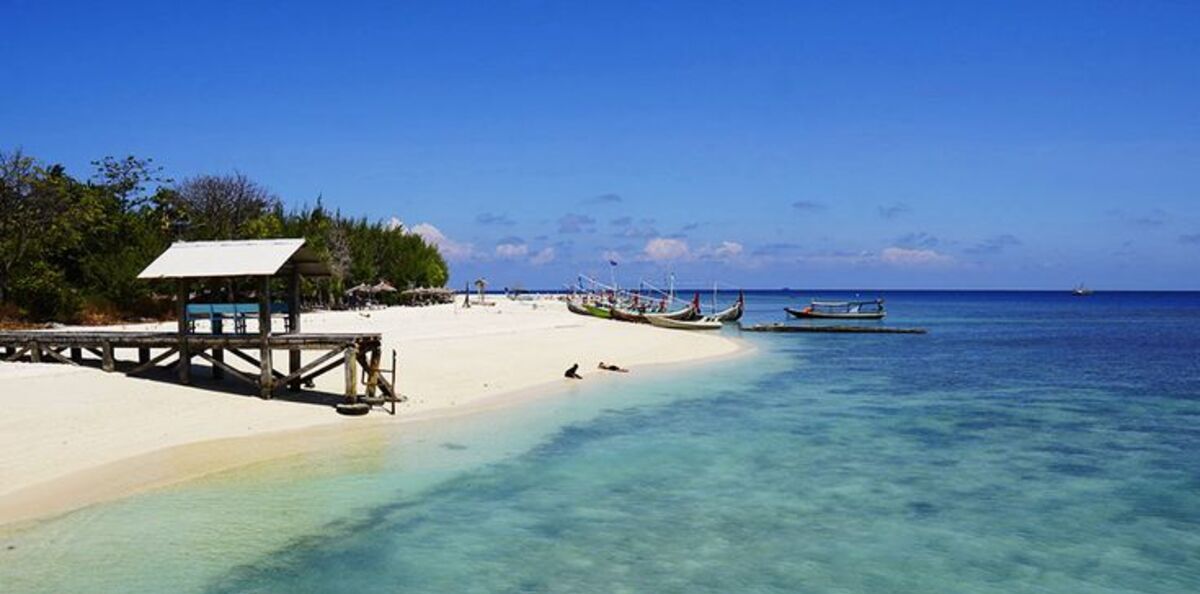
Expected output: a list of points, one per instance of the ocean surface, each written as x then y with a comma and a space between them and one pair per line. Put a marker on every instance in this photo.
1031, 442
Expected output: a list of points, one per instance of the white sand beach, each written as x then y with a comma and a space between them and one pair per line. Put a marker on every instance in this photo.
70, 436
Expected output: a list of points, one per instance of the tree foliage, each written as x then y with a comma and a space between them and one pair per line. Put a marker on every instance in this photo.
69, 247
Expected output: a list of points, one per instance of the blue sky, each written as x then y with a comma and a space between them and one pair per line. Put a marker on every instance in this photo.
761, 144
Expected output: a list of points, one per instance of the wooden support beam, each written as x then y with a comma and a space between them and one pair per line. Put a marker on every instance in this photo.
217, 363
322, 371
185, 359
251, 360
35, 352
152, 362
107, 363
295, 376
143, 355
293, 302
76, 354
53, 354
267, 369
352, 374
20, 352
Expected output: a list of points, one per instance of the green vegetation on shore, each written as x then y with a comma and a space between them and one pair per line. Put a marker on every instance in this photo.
71, 249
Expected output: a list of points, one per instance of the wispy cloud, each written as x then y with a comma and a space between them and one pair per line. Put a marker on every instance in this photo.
1192, 238
994, 244
724, 251
624, 221
603, 199
511, 251
488, 218
919, 239
891, 211
543, 256
1156, 217
899, 256
775, 249
576, 223
811, 206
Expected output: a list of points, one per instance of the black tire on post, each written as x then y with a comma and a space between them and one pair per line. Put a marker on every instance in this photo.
353, 409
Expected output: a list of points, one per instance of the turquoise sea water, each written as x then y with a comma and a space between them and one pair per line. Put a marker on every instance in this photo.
1030, 443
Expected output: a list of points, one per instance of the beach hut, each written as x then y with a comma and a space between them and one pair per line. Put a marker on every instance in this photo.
261, 260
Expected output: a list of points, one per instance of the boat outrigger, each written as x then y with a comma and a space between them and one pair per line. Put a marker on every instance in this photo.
841, 310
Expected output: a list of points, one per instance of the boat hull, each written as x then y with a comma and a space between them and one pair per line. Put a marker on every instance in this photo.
816, 315
599, 312
701, 324
628, 316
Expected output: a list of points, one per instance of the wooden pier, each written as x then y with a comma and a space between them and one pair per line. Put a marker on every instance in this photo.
360, 355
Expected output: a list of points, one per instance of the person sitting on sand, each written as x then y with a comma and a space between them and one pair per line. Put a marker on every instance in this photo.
573, 372
612, 368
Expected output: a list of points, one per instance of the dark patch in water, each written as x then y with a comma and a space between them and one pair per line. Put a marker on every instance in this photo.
453, 446
1073, 469
922, 509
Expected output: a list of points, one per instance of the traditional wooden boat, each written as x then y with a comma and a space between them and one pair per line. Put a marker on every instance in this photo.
599, 311
705, 323
841, 310
734, 312
575, 307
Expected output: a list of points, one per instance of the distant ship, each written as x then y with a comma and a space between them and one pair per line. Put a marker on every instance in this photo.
1081, 291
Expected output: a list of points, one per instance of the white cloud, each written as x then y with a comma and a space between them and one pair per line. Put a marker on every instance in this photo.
913, 257
545, 256
662, 249
452, 250
510, 251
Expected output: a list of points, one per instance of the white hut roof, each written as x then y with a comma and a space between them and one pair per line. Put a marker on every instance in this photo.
254, 257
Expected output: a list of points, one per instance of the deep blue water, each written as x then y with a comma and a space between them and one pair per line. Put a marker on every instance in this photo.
1031, 442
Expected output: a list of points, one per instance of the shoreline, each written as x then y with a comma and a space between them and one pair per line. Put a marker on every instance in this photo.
176, 463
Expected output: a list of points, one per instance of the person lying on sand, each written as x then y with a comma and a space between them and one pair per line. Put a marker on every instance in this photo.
573, 372
613, 368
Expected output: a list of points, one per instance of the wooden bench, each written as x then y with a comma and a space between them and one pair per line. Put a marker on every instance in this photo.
217, 313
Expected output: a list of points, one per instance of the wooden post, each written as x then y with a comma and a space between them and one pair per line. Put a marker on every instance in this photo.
294, 325
266, 379
143, 355
35, 353
218, 328
352, 373
185, 356
107, 362
76, 354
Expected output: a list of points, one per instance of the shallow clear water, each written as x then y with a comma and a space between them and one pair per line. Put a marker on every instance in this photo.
1030, 443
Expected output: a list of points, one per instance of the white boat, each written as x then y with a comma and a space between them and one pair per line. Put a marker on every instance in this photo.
734, 312
705, 323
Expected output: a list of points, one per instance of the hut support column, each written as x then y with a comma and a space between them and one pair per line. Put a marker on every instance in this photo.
35, 353
76, 354
266, 378
185, 356
218, 355
143, 355
352, 373
294, 326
